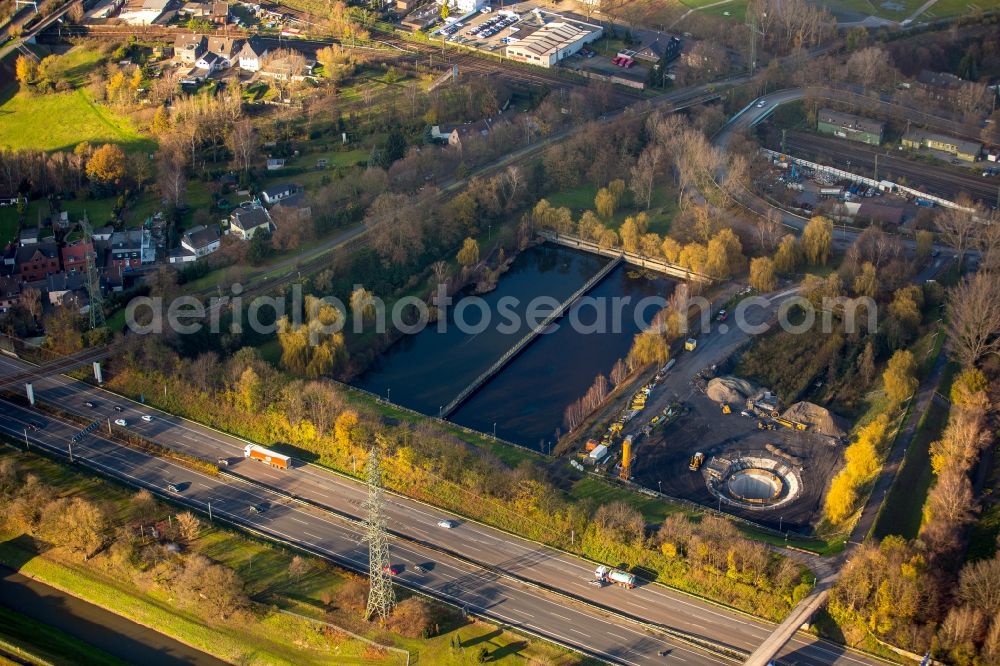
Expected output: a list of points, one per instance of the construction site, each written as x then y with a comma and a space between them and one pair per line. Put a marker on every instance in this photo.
722, 442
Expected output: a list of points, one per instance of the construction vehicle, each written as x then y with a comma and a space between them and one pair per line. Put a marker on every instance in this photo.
788, 423
765, 425
272, 458
696, 461
615, 576
726, 409
690, 344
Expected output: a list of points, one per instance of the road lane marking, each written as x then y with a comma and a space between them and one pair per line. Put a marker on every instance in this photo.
310, 534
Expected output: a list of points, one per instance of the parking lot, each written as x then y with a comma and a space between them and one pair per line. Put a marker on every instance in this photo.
489, 30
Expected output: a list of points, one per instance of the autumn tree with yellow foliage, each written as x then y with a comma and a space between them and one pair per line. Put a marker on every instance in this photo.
862, 460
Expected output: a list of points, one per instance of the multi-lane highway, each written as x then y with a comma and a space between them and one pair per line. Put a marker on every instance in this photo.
489, 567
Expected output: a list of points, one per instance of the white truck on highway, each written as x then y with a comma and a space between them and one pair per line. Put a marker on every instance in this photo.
605, 574
266, 456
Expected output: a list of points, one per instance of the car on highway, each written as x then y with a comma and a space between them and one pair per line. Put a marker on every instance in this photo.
391, 569
447, 524
173, 488
721, 316
260, 507
419, 569
147, 418
118, 408
121, 422
89, 404
761, 104
223, 462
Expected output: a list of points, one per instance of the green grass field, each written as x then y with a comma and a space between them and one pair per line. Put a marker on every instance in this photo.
59, 121
902, 512
661, 210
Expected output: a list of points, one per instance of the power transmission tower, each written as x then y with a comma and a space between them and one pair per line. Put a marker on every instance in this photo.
93, 277
381, 597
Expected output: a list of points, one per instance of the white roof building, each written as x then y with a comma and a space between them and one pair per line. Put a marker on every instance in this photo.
552, 42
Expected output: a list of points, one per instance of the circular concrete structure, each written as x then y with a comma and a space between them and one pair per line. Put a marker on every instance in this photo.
755, 485
754, 481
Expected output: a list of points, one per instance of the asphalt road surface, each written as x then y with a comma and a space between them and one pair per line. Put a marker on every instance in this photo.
489, 589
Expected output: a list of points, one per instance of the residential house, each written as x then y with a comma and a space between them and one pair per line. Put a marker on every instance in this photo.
28, 236
9, 259
61, 285
74, 256
247, 221
36, 262
296, 204
288, 69
202, 240
147, 12
131, 249
275, 163
662, 46
219, 13
251, 55
275, 193
10, 291
188, 48
225, 48
103, 233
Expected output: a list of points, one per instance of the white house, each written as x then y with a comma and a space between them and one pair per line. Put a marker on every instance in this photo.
251, 55
275, 193
247, 221
202, 240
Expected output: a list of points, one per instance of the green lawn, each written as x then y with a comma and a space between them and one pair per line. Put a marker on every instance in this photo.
661, 211
8, 225
59, 121
902, 511
74, 65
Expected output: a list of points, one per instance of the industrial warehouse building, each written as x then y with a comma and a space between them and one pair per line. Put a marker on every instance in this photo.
960, 148
552, 42
848, 126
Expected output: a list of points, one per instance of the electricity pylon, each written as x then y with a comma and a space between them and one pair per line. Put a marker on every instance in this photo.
381, 597
93, 277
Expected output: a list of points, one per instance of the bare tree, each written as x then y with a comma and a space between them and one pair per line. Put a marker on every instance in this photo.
974, 318
172, 162
957, 227
241, 139
644, 173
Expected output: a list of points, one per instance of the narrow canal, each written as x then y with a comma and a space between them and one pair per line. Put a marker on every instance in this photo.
526, 399
114, 634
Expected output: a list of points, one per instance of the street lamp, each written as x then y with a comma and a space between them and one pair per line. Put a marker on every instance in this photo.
388, 395
781, 520
494, 431
660, 486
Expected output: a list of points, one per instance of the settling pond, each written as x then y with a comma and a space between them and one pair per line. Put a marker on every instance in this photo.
527, 398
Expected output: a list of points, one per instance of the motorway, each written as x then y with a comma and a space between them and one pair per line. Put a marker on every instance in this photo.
483, 568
